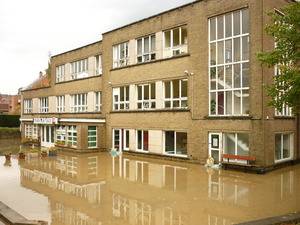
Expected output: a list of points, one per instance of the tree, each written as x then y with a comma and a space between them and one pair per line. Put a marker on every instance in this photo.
285, 29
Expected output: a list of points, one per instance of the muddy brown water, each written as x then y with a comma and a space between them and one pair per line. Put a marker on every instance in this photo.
98, 189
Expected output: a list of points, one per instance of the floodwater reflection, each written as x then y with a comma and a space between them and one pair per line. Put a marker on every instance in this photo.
95, 188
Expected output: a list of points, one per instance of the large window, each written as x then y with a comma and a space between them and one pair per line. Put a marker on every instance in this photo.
175, 94
175, 41
120, 55
31, 131
236, 144
60, 73
121, 98
61, 135
98, 101
142, 140
229, 64
79, 69
146, 96
79, 103
146, 49
176, 143
92, 136
98, 64
72, 136
44, 105
284, 144
27, 104
60, 103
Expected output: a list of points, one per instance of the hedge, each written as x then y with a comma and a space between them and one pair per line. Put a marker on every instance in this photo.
9, 120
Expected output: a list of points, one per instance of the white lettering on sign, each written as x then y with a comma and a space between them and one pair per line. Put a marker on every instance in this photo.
45, 120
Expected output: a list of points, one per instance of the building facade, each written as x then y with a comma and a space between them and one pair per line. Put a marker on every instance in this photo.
184, 84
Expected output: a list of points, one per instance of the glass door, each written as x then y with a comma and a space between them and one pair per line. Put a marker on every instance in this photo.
47, 136
215, 147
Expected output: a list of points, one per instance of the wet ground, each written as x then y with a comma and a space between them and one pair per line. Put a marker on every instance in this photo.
96, 188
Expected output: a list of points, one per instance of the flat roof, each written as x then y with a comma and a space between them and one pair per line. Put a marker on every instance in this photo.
155, 15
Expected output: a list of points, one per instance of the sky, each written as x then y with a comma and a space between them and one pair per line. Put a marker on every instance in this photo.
30, 30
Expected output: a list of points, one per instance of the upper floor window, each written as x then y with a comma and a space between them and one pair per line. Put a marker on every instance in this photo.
79, 69
79, 103
44, 105
27, 103
146, 96
175, 94
121, 98
60, 103
146, 48
229, 64
120, 55
98, 64
175, 41
60, 73
98, 101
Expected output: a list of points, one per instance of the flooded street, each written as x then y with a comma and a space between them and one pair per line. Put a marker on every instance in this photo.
96, 188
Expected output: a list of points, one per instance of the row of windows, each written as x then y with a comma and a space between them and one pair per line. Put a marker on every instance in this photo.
174, 43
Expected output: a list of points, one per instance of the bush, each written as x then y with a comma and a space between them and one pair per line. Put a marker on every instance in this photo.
9, 120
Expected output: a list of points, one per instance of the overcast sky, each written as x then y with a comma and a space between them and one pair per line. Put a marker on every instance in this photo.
30, 29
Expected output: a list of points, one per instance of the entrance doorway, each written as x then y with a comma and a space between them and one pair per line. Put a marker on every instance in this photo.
215, 146
47, 136
121, 139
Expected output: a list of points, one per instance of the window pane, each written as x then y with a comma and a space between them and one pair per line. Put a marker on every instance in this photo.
176, 37
213, 29
286, 146
228, 25
221, 103
237, 76
168, 89
139, 46
237, 102
181, 143
139, 92
153, 91
145, 140
245, 75
146, 45
127, 93
220, 52
139, 138
245, 48
176, 89
246, 107
245, 20
236, 23
169, 142
242, 144
152, 43
277, 146
213, 103
121, 93
146, 92
213, 78
228, 51
220, 77
229, 143
167, 39
213, 50
184, 88
184, 39
228, 102
237, 49
228, 77
220, 27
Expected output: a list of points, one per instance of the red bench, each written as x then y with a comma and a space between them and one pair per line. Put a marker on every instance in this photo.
249, 159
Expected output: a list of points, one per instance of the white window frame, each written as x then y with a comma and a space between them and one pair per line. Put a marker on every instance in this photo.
60, 73
98, 101
60, 103
291, 139
124, 139
242, 90
146, 104
79, 103
172, 99
96, 135
175, 141
119, 103
61, 134
119, 61
44, 105
98, 64
178, 49
79, 69
146, 56
28, 131
28, 105
142, 149
71, 137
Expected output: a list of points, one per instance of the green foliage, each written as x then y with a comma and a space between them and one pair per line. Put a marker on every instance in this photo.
285, 29
9, 120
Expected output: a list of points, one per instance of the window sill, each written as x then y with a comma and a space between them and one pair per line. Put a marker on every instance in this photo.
283, 160
284, 117
78, 79
151, 111
176, 155
229, 117
149, 62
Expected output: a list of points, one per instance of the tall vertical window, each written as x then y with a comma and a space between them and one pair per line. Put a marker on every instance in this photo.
92, 136
175, 41
61, 135
27, 104
229, 64
44, 105
79, 69
28, 131
146, 96
146, 48
126, 139
236, 143
175, 94
120, 55
284, 144
60, 73
72, 136
121, 98
79, 103
60, 103
142, 140
98, 101
176, 143
98, 64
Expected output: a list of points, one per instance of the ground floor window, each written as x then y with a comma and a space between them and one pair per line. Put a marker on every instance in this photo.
126, 139
236, 144
72, 136
31, 131
283, 146
176, 143
28, 131
61, 135
92, 136
142, 140
121, 139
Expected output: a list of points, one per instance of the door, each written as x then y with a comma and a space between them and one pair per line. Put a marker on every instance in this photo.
47, 136
215, 147
117, 137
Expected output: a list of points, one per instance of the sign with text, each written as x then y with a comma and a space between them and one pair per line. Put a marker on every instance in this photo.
52, 120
